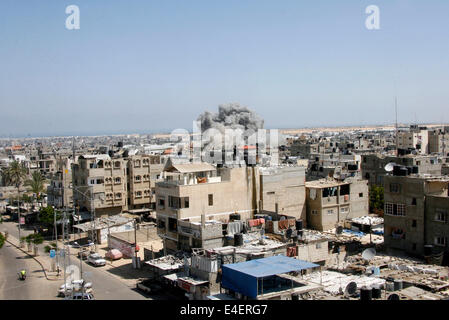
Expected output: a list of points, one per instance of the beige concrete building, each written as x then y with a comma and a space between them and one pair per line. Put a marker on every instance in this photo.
113, 185
59, 191
414, 139
143, 172
331, 202
192, 190
195, 189
416, 212
100, 184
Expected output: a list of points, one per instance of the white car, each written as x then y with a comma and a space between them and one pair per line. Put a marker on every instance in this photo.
96, 260
75, 286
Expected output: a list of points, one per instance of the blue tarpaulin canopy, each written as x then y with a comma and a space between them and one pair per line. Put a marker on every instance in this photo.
242, 277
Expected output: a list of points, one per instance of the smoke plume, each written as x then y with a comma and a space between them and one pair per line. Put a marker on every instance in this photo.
231, 116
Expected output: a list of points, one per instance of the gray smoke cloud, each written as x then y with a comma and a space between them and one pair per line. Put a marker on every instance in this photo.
231, 116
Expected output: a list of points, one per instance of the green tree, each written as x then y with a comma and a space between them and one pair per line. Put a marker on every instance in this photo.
376, 199
47, 215
16, 173
36, 183
2, 240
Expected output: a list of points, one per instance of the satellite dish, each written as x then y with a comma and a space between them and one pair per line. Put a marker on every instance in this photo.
351, 289
393, 296
369, 254
390, 166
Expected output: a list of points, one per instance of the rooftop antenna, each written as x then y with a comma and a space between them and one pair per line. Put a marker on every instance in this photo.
396, 124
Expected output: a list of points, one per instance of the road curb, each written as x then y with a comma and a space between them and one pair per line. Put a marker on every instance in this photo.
35, 259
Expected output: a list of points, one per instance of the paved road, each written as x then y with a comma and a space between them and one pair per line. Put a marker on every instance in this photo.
36, 286
105, 286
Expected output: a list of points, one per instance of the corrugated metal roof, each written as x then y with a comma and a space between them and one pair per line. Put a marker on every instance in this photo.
270, 266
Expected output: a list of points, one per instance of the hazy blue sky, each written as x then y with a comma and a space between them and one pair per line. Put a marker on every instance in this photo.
145, 66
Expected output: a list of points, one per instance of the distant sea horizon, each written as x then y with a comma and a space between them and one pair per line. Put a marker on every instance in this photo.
168, 131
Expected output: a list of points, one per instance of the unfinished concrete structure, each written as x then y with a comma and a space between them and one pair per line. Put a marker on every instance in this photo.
330, 202
60, 192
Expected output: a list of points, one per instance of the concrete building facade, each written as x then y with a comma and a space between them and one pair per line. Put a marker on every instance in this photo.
331, 202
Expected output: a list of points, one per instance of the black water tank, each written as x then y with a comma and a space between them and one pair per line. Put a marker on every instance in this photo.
428, 250
289, 232
394, 296
366, 294
238, 239
398, 285
339, 230
377, 292
234, 216
298, 224
300, 233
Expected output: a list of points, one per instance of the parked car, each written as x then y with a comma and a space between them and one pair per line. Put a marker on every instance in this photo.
81, 296
83, 254
148, 286
96, 260
75, 286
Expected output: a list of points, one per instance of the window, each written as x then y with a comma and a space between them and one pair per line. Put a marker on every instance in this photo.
395, 187
414, 224
271, 192
186, 202
441, 241
314, 211
161, 203
118, 195
117, 180
414, 202
344, 190
211, 199
138, 178
344, 210
174, 202
117, 164
318, 246
361, 195
393, 209
172, 225
440, 215
414, 247
161, 224
330, 211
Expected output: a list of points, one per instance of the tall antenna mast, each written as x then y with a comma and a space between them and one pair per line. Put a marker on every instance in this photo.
396, 125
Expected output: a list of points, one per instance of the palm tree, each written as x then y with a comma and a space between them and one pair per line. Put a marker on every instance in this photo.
17, 174
4, 175
36, 183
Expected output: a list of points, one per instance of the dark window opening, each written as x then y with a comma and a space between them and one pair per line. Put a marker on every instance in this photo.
172, 225
414, 223
414, 202
211, 199
344, 190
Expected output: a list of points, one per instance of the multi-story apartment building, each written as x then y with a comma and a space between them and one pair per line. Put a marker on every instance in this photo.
330, 202
439, 141
195, 199
417, 140
113, 185
100, 184
60, 191
142, 173
416, 212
